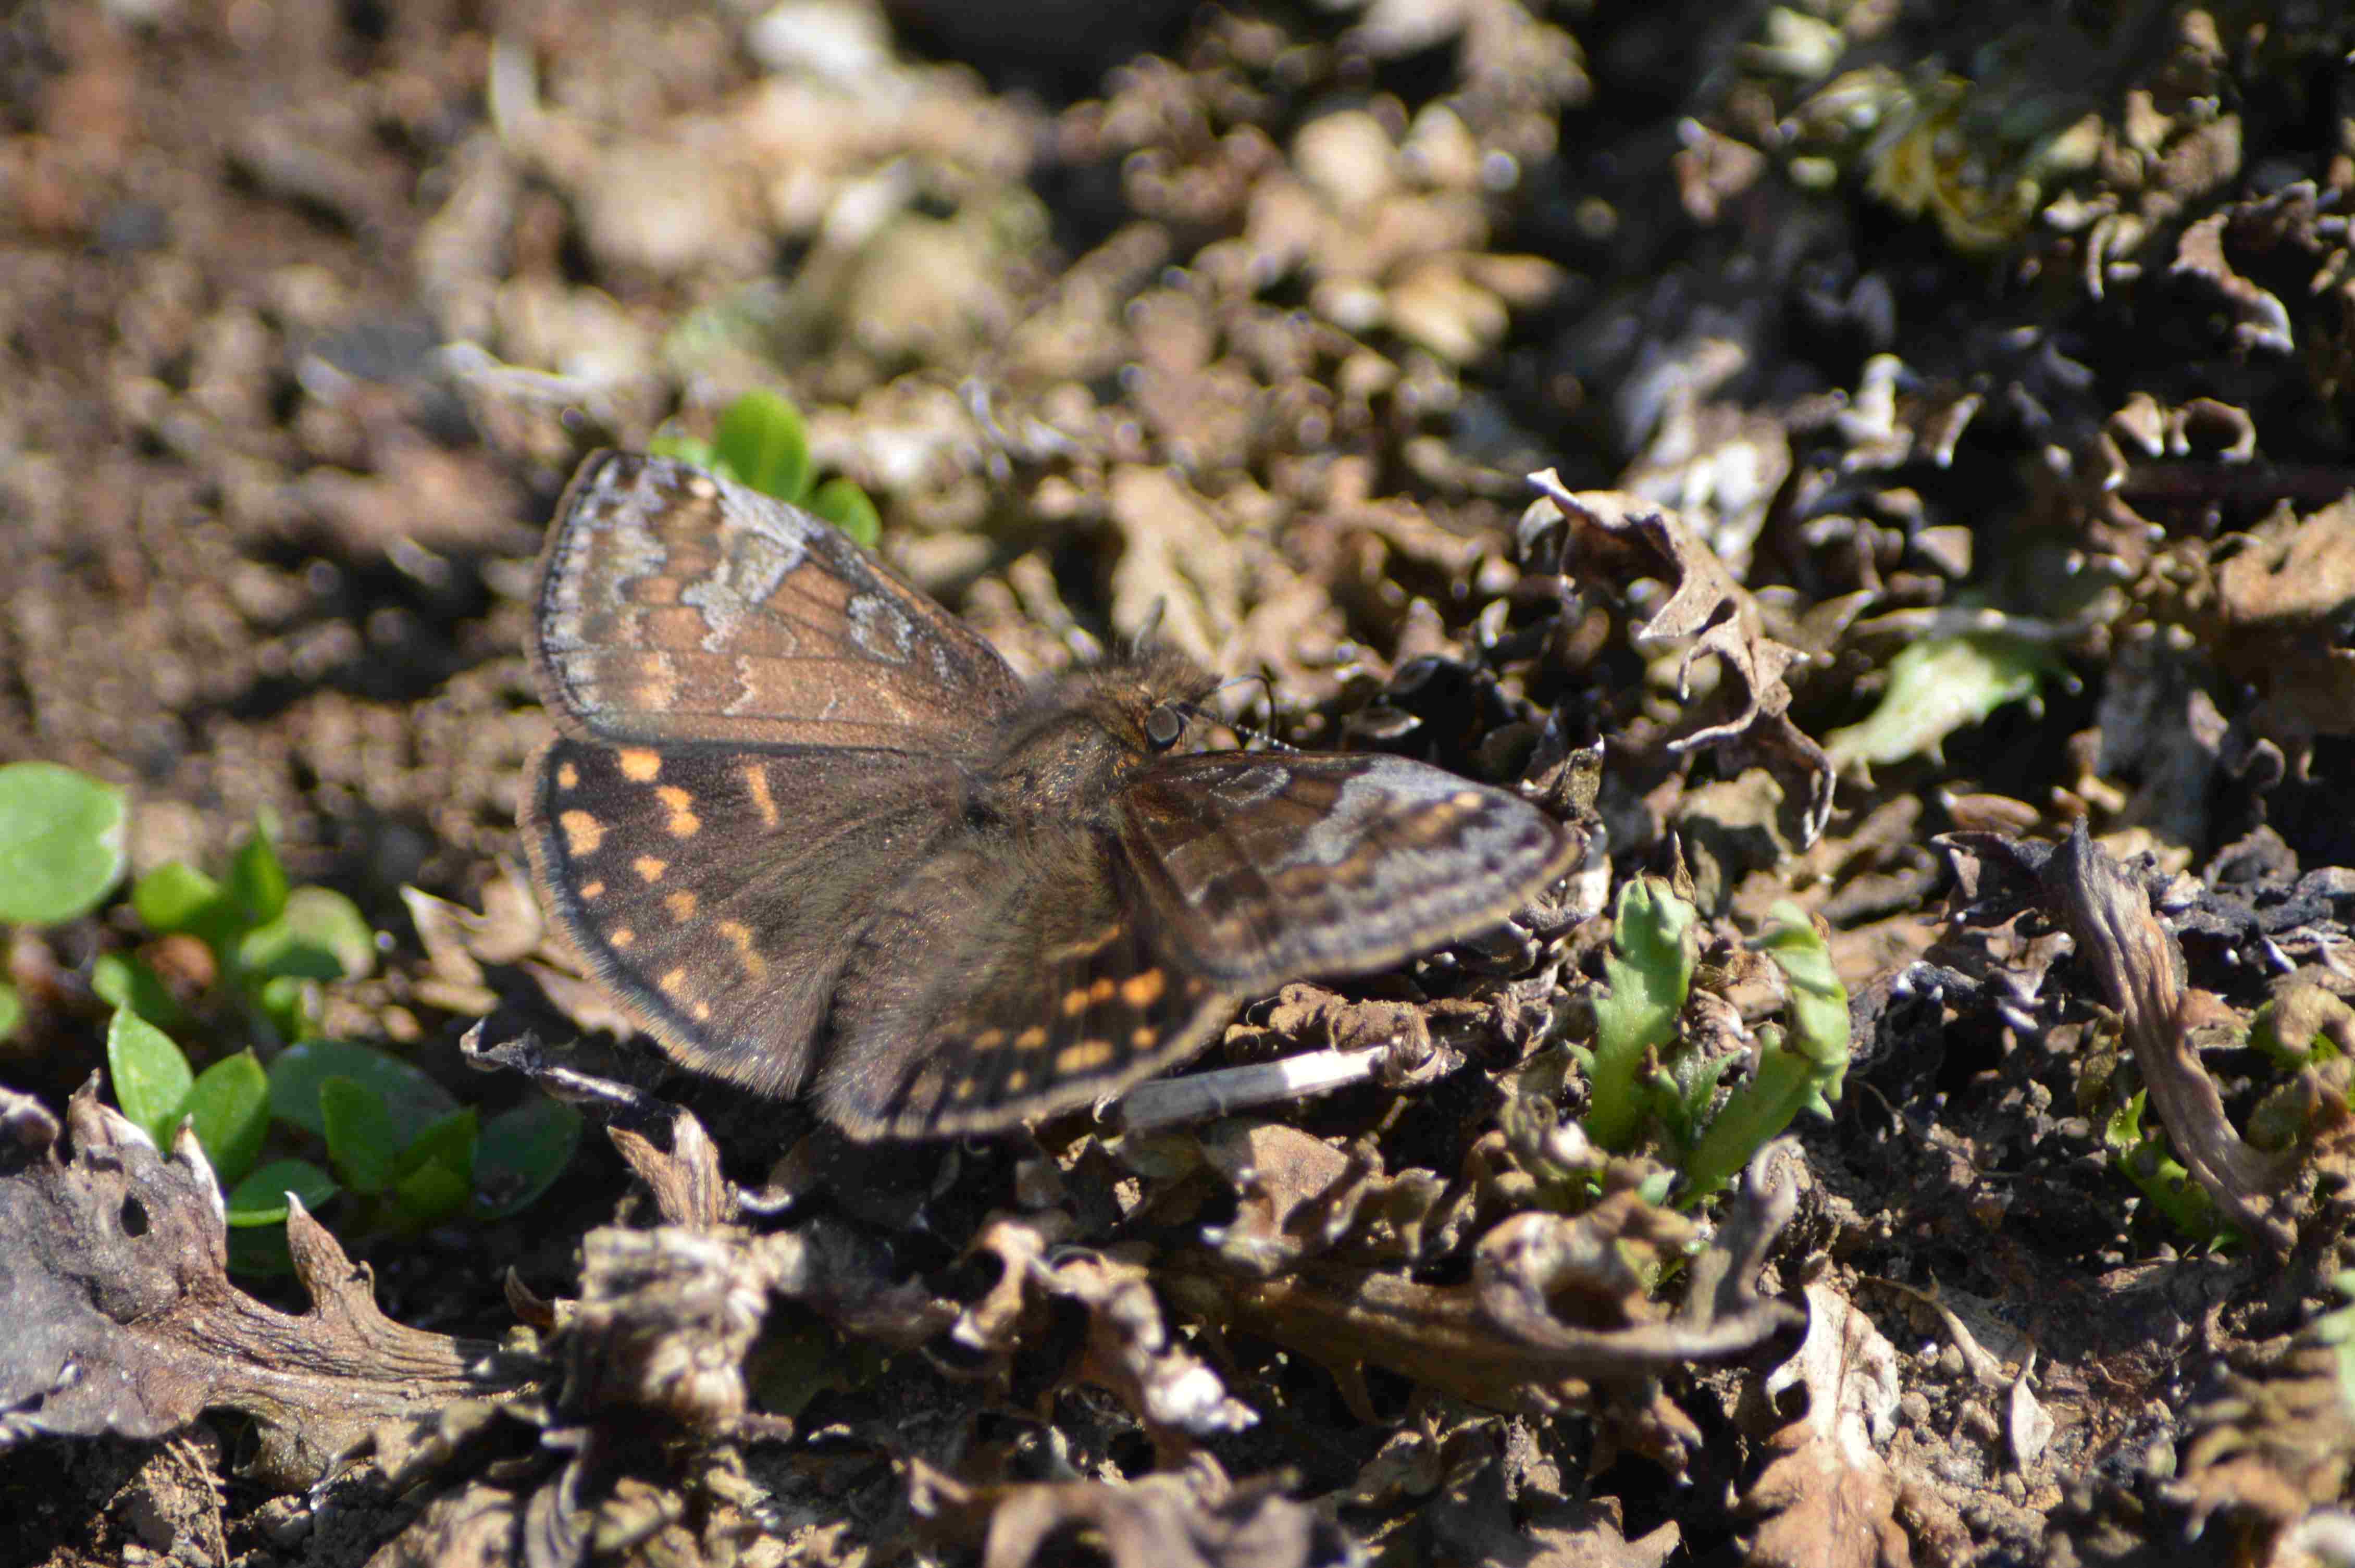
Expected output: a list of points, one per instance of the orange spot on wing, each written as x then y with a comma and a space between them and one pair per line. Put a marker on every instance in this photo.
683, 823
583, 833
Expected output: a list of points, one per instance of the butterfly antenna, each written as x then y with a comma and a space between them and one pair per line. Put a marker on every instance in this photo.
1267, 691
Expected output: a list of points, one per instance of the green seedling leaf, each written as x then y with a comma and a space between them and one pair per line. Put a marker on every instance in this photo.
1818, 1001
151, 1074
1937, 688
362, 1145
11, 1010
2304, 1024
176, 896
846, 506
229, 1104
521, 1153
60, 842
684, 448
450, 1142
291, 1005
1649, 976
431, 1192
414, 1101
257, 881
761, 441
260, 1198
127, 983
319, 935
2144, 1159
1799, 1069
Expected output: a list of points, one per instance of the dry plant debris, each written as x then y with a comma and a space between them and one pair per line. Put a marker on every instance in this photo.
1948, 539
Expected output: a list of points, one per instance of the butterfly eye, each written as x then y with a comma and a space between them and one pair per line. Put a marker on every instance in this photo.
1164, 725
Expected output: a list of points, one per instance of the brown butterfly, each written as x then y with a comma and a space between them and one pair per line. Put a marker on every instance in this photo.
819, 835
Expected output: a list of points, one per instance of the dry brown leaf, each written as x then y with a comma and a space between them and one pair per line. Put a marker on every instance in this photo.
123, 1320
1721, 619
1826, 1498
1193, 1519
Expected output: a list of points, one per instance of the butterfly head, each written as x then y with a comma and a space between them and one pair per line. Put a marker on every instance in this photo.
1081, 734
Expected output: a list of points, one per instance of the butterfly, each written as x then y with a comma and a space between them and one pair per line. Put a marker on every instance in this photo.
819, 835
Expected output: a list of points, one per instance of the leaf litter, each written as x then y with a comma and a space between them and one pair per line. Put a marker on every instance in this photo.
1947, 534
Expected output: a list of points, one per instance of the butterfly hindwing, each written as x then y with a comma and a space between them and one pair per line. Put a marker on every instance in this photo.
1006, 978
1266, 867
678, 606
716, 890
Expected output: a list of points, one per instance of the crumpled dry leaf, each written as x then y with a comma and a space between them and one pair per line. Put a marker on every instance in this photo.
1556, 1307
2280, 601
1827, 1498
2264, 320
1129, 1348
123, 1320
2276, 1434
1472, 1521
1723, 619
510, 930
1178, 564
1193, 1519
1298, 1197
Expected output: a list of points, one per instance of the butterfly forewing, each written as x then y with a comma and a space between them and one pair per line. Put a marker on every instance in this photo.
1007, 978
1267, 867
717, 890
676, 607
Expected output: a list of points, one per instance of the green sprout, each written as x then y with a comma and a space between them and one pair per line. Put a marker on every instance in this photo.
2142, 1156
760, 442
1645, 1080
398, 1145
275, 943
398, 1150
1802, 1068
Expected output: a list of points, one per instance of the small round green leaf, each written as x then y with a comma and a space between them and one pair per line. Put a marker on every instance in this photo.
151, 1074
291, 1005
431, 1192
361, 1143
761, 441
414, 1101
60, 842
686, 448
521, 1154
127, 983
257, 880
450, 1142
846, 506
230, 1106
260, 1198
12, 1011
176, 896
319, 935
